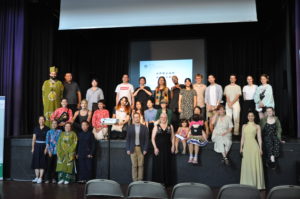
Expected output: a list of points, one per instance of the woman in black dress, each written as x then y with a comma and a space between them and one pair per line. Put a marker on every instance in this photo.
39, 150
163, 144
271, 133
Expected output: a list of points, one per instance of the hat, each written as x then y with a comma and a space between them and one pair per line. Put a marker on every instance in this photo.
53, 69
163, 102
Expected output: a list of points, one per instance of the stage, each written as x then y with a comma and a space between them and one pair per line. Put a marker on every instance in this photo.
210, 171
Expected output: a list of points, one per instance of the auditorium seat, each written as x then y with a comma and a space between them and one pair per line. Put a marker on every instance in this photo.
146, 189
103, 188
285, 191
238, 191
190, 190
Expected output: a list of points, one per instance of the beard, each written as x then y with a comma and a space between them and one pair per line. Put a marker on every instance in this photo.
53, 78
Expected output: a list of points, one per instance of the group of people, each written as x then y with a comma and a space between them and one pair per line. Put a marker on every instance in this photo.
192, 114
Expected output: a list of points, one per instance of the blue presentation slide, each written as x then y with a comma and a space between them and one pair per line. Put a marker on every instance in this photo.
152, 70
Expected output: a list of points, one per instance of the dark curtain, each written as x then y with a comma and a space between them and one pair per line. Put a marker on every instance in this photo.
11, 61
297, 59
85, 54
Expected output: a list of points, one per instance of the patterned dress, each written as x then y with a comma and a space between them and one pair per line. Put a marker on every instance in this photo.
187, 103
271, 141
52, 92
66, 149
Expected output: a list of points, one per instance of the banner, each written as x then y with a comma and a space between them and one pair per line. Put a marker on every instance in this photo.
2, 109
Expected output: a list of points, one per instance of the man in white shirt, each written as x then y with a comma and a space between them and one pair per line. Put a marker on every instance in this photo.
213, 96
125, 89
233, 109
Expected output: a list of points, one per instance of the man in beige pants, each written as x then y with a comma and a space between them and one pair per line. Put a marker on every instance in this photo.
233, 108
136, 146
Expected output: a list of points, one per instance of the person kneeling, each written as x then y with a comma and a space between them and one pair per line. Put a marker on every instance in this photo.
136, 146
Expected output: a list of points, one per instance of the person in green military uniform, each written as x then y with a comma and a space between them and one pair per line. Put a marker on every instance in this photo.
66, 148
52, 92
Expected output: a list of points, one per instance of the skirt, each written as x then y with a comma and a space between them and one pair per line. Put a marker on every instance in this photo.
38, 157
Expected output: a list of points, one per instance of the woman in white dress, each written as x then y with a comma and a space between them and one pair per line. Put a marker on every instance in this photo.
222, 136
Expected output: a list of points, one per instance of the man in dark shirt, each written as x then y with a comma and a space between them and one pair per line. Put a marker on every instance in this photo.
175, 90
72, 93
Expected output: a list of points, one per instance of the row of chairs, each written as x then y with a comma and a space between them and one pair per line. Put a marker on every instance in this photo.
189, 190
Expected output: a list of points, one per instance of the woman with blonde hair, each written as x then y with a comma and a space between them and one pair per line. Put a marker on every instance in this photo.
163, 144
84, 114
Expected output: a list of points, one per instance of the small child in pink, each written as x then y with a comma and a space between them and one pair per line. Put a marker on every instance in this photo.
182, 134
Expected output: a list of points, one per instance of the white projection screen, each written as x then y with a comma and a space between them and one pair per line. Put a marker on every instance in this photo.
88, 14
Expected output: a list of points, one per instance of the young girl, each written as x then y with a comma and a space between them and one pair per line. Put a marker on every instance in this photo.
138, 109
182, 134
51, 143
197, 137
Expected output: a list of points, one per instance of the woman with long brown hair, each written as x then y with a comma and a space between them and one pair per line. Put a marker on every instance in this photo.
122, 113
162, 92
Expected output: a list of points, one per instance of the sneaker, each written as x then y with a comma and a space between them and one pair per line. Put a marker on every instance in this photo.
54, 181
66, 182
47, 182
190, 160
35, 180
183, 152
195, 161
39, 181
60, 182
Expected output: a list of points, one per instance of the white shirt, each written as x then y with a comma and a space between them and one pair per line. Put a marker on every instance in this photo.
249, 92
125, 89
213, 97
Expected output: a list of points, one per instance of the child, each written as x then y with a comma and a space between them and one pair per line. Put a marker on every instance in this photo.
197, 137
51, 142
182, 134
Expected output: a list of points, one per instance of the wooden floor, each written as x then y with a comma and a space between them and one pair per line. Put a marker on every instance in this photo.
28, 190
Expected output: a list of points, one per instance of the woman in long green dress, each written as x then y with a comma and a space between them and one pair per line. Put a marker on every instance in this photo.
252, 172
66, 149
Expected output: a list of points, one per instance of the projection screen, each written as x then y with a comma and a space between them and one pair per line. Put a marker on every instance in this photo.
88, 14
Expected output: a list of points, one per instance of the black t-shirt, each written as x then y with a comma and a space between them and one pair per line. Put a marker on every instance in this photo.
174, 101
142, 96
70, 92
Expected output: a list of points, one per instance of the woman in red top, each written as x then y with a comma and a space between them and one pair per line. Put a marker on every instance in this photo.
100, 131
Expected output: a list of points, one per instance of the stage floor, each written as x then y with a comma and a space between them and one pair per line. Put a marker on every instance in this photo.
24, 190
211, 171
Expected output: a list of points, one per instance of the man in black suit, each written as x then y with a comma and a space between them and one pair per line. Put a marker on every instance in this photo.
136, 146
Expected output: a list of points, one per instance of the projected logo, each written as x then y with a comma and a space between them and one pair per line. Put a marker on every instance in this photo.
153, 69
